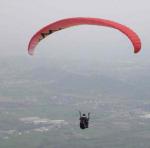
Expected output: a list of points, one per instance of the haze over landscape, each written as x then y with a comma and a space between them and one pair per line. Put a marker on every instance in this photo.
87, 68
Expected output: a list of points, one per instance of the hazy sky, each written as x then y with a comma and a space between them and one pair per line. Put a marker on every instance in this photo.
20, 19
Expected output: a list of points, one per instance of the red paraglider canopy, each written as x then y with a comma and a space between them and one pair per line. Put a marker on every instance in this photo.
69, 22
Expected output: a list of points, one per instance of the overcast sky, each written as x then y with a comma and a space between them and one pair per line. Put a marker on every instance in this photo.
20, 19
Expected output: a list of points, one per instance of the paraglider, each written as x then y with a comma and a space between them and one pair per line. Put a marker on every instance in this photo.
84, 120
69, 22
